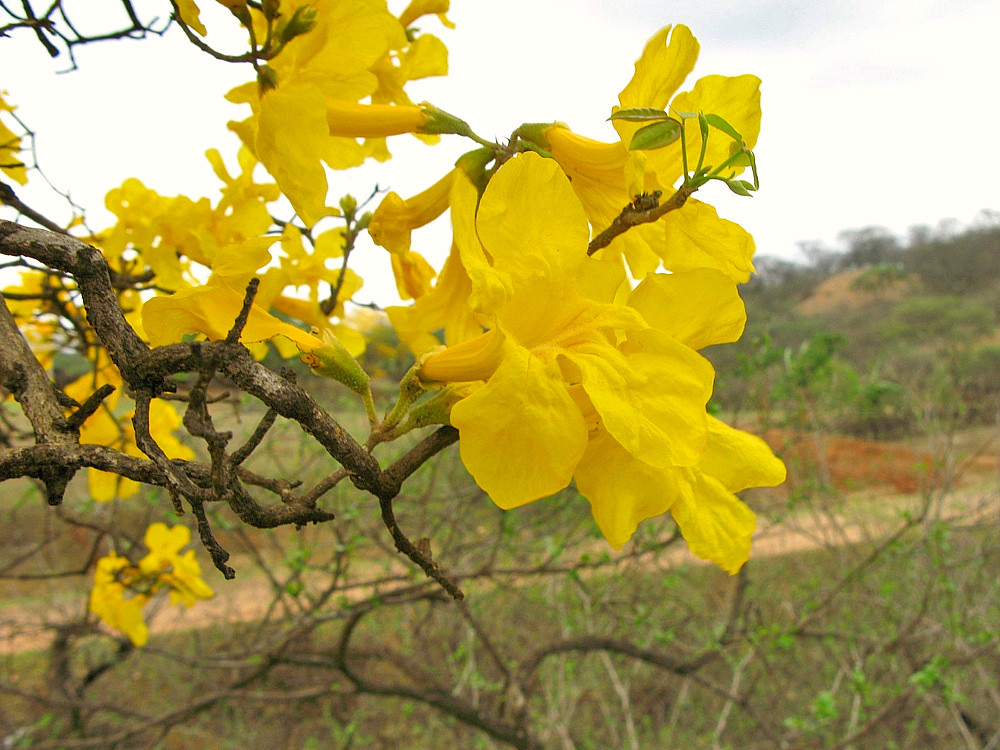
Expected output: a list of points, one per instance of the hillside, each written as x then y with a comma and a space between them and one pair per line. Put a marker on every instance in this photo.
878, 337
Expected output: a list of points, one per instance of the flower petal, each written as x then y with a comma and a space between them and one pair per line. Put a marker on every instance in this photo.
659, 72
292, 137
715, 523
212, 310
623, 491
522, 434
699, 308
695, 237
660, 419
738, 459
530, 220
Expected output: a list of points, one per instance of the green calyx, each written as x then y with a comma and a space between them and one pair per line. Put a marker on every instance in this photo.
332, 360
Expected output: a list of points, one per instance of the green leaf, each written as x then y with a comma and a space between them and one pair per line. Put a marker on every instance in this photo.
703, 126
655, 135
719, 124
741, 187
640, 114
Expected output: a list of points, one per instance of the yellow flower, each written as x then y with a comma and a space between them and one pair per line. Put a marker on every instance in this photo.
576, 385
169, 569
556, 327
606, 176
391, 227
121, 590
170, 232
211, 310
10, 146
395, 219
109, 602
311, 113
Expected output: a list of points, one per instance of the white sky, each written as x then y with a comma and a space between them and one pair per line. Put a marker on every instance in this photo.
874, 112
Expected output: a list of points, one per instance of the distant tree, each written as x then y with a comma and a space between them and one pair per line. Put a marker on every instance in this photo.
868, 246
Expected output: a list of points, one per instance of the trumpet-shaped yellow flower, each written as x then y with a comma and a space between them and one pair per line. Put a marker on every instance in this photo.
181, 574
395, 219
121, 589
392, 225
212, 310
309, 112
574, 384
549, 332
606, 176
114, 603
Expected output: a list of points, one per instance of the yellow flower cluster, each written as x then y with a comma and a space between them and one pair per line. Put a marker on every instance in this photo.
122, 589
562, 371
579, 382
307, 110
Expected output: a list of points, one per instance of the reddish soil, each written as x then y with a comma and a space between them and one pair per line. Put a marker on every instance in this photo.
850, 463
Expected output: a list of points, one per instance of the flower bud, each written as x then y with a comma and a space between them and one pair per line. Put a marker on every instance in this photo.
303, 20
270, 9
267, 79
476, 359
348, 205
332, 360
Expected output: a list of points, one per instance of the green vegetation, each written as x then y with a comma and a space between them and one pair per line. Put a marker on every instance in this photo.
888, 334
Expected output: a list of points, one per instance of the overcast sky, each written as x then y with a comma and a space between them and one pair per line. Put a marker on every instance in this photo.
874, 112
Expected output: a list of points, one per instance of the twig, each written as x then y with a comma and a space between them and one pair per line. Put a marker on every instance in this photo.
420, 555
644, 209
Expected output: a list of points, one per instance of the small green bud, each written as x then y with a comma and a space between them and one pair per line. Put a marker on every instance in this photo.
270, 8
267, 79
348, 205
303, 21
332, 360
